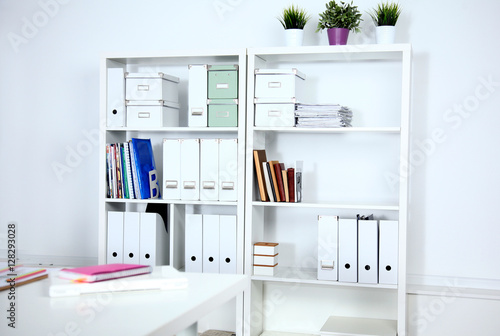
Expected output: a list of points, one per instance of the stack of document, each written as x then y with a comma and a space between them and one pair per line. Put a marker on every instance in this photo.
322, 115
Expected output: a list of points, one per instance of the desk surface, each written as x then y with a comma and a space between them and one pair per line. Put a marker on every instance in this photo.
132, 313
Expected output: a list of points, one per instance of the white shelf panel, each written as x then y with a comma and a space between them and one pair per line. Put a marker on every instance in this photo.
309, 276
328, 205
281, 333
155, 200
329, 130
340, 325
175, 129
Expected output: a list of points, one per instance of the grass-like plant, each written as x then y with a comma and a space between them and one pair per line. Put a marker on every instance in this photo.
341, 15
386, 14
294, 17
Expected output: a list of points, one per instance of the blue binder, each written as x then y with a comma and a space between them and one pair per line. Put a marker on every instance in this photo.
145, 162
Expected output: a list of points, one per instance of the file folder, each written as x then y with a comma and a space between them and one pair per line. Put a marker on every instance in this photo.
190, 169
348, 250
171, 169
367, 251
209, 169
211, 243
197, 95
115, 237
115, 113
227, 226
228, 169
193, 243
327, 247
388, 252
131, 234
153, 240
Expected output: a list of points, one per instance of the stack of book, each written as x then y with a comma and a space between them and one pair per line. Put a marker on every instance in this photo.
131, 170
322, 115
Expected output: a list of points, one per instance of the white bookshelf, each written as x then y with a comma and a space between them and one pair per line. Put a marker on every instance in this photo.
347, 171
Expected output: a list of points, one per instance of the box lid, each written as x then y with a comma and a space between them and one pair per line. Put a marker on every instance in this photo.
266, 244
230, 67
292, 71
152, 75
152, 103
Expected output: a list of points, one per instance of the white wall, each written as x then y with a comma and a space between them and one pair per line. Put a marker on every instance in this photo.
49, 97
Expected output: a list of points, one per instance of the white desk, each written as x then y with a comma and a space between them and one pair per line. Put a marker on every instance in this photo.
132, 313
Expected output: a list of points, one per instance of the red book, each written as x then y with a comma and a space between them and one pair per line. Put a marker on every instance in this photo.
279, 180
291, 183
103, 272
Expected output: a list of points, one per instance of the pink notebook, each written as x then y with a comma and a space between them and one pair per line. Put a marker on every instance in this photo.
103, 272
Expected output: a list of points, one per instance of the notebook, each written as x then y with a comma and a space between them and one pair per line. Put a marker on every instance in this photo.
103, 272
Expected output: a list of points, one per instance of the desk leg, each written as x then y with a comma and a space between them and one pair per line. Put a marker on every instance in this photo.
192, 330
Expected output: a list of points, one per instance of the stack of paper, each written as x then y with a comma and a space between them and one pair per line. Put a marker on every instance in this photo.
322, 115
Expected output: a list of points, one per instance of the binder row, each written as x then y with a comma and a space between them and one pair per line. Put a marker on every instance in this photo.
200, 169
356, 250
210, 245
136, 238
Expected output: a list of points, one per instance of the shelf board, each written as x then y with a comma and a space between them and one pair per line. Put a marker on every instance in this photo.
162, 201
282, 333
328, 205
309, 276
329, 130
174, 129
340, 325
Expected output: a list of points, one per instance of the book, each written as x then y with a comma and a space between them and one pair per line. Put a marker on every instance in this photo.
269, 185
278, 167
285, 185
103, 272
20, 275
144, 162
259, 156
274, 181
291, 183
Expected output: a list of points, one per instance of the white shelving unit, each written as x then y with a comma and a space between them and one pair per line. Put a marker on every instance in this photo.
175, 63
347, 171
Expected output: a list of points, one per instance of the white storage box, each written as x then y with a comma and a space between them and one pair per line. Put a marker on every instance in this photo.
263, 248
279, 83
275, 115
264, 270
151, 86
152, 114
260, 260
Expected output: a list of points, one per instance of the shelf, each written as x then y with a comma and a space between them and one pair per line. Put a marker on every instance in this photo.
339, 325
328, 206
162, 201
329, 130
176, 129
280, 333
309, 276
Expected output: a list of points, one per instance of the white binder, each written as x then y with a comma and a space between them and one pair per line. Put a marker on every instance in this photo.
193, 243
211, 239
171, 169
115, 113
348, 250
153, 241
228, 169
131, 234
197, 96
227, 226
388, 252
367, 251
209, 169
115, 237
327, 247
190, 169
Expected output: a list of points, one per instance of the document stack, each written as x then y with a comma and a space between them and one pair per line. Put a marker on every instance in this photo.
322, 115
265, 258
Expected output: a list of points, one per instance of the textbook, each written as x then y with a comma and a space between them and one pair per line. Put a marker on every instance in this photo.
20, 275
103, 272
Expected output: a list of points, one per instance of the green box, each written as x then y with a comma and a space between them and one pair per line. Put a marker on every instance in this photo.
223, 113
223, 82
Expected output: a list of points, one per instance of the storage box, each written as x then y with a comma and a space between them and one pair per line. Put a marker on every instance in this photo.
263, 260
223, 81
151, 86
264, 248
264, 270
152, 114
279, 83
275, 115
222, 112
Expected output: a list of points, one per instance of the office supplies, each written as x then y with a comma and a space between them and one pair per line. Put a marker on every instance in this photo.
279, 83
222, 112
322, 115
153, 240
367, 251
223, 81
274, 181
131, 234
103, 272
193, 243
159, 113
265, 260
228, 248
228, 169
115, 99
266, 248
388, 252
152, 87
259, 156
209, 169
269, 181
171, 169
211, 243
275, 115
145, 163
285, 184
190, 169
327, 248
298, 180
19, 275
278, 167
115, 237
197, 95
291, 183
348, 250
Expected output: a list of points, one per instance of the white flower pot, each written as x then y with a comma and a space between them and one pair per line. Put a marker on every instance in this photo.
294, 37
385, 34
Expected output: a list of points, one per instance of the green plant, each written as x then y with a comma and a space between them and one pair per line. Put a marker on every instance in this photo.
294, 17
386, 14
342, 15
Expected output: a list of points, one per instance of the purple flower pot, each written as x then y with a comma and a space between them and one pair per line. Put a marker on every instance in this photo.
337, 36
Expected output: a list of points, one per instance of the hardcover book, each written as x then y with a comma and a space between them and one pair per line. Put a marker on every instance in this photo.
103, 272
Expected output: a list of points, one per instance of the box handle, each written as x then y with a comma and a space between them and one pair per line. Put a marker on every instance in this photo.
227, 185
208, 184
274, 85
143, 115
142, 87
222, 86
327, 264
197, 111
171, 184
222, 114
274, 113
189, 184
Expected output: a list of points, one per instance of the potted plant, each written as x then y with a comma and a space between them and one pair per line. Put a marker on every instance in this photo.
385, 17
293, 20
339, 19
